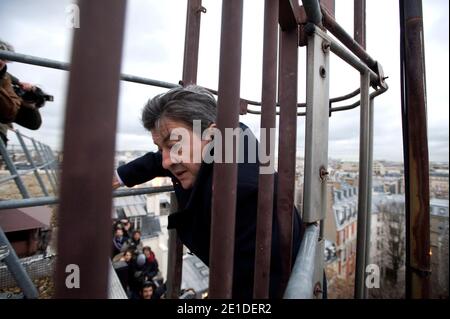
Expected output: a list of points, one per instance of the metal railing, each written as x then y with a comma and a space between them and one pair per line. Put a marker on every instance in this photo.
38, 157
305, 280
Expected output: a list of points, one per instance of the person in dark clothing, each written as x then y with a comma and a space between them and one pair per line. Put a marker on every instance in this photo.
138, 275
148, 290
135, 242
153, 267
118, 242
180, 108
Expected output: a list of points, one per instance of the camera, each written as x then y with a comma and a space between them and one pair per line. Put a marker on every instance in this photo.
37, 96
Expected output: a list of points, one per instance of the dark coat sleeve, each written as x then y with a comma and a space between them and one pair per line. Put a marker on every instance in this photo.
142, 169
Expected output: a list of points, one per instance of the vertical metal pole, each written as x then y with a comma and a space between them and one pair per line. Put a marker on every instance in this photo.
31, 161
84, 235
225, 174
363, 187
369, 191
191, 41
415, 150
316, 142
17, 270
175, 257
359, 22
316, 135
360, 37
41, 158
287, 146
266, 181
12, 169
54, 164
190, 65
48, 160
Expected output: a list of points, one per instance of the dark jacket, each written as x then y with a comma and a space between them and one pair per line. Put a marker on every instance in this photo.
13, 108
193, 220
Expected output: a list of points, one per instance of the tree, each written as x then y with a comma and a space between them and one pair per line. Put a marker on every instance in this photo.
392, 238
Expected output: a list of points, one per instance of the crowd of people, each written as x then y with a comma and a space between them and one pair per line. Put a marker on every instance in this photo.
135, 264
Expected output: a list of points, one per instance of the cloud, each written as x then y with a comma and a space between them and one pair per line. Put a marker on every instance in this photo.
154, 47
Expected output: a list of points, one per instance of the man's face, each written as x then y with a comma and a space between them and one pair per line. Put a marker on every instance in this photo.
2, 64
184, 168
147, 293
119, 233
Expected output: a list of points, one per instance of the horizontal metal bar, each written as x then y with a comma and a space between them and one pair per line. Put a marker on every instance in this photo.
301, 282
17, 270
25, 172
358, 103
51, 200
33, 60
337, 108
28, 59
330, 23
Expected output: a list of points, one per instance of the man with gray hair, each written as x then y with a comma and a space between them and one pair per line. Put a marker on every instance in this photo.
193, 110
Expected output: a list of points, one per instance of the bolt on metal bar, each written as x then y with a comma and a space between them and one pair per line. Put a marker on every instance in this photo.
266, 181
32, 163
415, 150
17, 270
175, 257
301, 284
50, 200
12, 169
316, 137
363, 209
287, 90
91, 107
223, 215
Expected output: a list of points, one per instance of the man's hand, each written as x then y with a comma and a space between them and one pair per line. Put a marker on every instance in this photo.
115, 182
26, 86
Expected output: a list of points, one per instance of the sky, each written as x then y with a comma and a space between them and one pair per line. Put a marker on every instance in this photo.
154, 45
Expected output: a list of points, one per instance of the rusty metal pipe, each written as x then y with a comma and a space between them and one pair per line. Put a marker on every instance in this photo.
266, 181
225, 174
359, 22
330, 24
415, 150
287, 145
84, 217
192, 41
363, 180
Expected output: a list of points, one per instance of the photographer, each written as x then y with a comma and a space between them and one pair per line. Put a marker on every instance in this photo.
19, 101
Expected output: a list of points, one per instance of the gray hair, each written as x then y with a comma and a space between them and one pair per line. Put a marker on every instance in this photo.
184, 104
